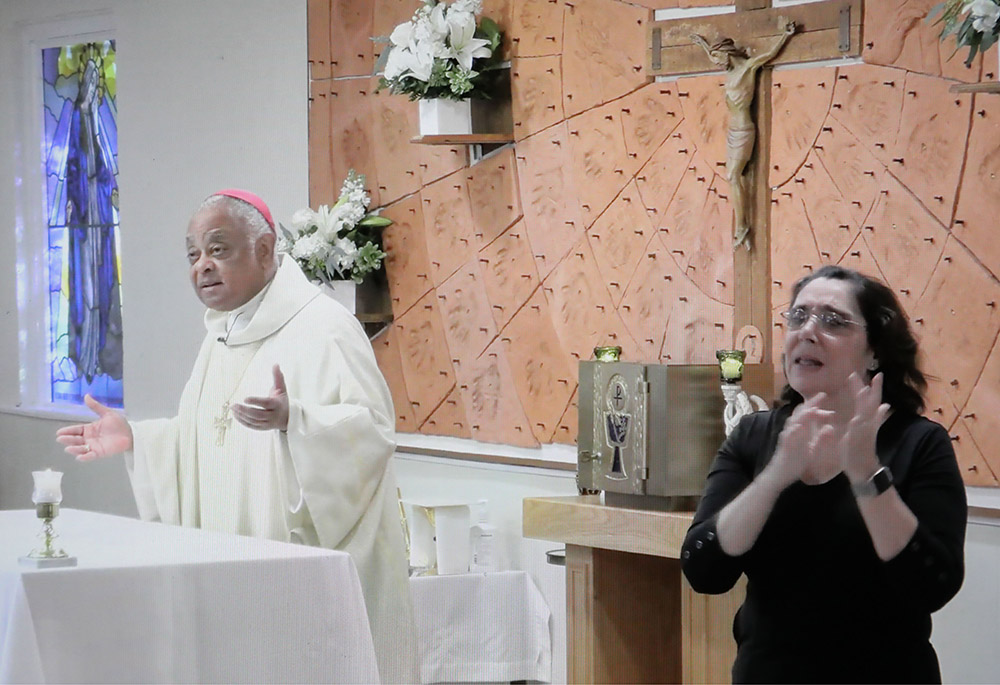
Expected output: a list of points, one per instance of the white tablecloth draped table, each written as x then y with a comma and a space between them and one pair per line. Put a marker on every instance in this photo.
482, 627
155, 603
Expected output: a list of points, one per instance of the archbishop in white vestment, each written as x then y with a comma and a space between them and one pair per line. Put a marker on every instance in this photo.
308, 463
326, 481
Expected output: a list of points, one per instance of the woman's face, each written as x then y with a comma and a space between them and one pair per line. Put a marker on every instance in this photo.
819, 358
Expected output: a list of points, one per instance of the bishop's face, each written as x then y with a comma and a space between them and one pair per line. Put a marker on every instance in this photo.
227, 267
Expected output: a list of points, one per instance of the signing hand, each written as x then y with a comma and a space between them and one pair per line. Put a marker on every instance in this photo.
856, 446
265, 413
109, 435
806, 445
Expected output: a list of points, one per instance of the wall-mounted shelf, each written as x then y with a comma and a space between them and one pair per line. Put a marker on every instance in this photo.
465, 139
988, 87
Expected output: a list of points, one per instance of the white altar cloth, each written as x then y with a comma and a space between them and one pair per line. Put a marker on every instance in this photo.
482, 627
154, 603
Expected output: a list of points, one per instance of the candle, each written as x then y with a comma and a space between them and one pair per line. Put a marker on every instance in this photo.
609, 353
48, 487
731, 364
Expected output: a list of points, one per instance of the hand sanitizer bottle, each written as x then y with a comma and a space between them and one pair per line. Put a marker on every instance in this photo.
482, 542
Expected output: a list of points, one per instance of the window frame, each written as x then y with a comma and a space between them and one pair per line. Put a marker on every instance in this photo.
30, 224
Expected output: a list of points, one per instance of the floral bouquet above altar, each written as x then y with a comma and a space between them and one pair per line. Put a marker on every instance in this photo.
975, 23
340, 242
442, 53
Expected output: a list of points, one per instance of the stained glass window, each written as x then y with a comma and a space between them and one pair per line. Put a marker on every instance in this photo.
81, 201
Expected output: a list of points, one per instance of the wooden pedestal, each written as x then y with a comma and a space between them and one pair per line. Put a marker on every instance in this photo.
631, 617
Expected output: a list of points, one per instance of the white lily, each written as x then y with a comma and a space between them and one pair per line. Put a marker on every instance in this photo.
402, 34
464, 47
985, 14
417, 62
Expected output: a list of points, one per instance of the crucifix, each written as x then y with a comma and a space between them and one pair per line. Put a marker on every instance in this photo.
221, 423
690, 45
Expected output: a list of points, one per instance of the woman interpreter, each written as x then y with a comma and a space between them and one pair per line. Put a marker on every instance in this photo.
844, 507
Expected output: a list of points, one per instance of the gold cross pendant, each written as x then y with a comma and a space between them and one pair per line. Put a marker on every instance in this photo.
222, 424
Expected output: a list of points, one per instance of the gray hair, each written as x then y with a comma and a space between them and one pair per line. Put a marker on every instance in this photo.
245, 214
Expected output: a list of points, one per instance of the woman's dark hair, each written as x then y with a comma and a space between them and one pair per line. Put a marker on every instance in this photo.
889, 337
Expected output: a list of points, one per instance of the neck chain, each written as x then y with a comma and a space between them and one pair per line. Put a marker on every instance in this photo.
222, 421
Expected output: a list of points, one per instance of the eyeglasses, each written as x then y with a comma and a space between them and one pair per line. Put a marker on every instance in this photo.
829, 321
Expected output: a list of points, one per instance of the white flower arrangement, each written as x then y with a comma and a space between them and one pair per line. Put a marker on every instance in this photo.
975, 23
340, 242
442, 53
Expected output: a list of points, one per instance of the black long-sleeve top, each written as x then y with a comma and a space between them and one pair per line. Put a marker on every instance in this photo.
820, 605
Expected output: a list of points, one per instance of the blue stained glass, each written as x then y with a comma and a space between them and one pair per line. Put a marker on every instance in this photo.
80, 117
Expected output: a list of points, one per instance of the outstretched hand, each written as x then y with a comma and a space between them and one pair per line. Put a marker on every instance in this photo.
109, 435
265, 413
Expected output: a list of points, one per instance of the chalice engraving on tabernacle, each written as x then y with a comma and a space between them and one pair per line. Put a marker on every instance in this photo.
616, 425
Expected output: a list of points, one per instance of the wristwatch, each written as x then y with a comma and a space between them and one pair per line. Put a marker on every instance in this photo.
879, 482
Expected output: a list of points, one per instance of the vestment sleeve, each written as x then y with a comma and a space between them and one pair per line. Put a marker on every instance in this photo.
341, 432
930, 569
152, 469
706, 566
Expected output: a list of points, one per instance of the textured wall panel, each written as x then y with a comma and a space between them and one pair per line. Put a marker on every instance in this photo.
975, 222
493, 197
465, 309
351, 47
425, 357
509, 273
549, 197
407, 265
929, 126
542, 373
800, 101
449, 418
387, 354
648, 116
447, 225
608, 221
601, 165
619, 239
491, 399
351, 133
897, 35
604, 49
536, 89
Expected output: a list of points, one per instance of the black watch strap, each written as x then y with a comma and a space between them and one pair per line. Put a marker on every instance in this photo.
879, 482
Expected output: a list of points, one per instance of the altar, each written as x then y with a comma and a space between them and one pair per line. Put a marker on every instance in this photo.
631, 616
149, 602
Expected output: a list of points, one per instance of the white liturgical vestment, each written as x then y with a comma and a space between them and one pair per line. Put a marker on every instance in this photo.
326, 481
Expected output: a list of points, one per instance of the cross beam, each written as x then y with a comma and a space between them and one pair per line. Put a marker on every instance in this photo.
826, 30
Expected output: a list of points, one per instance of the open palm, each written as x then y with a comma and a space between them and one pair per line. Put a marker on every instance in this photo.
109, 435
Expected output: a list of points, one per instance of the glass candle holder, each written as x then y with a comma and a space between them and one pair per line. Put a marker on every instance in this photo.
731, 365
48, 487
608, 354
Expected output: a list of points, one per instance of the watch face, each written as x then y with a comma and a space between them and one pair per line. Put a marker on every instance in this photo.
880, 481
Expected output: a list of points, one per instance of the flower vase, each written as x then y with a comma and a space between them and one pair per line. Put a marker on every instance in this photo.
441, 116
344, 292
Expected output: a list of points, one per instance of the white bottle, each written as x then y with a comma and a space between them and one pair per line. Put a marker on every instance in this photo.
482, 542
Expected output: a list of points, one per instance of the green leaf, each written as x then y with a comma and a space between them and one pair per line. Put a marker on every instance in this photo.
375, 221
